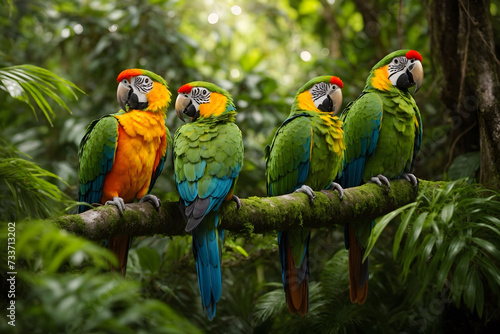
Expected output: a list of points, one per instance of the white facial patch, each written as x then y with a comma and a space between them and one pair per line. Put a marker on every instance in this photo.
200, 95
320, 92
397, 67
141, 85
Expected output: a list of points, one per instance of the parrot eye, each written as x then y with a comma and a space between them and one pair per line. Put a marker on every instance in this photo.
143, 84
200, 95
395, 60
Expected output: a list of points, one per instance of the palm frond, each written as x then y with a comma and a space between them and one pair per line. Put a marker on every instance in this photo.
33, 85
270, 305
32, 195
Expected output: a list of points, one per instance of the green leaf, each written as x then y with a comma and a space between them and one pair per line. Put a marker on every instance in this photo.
425, 250
380, 226
411, 249
469, 291
447, 212
149, 259
34, 196
401, 230
487, 246
29, 83
479, 293
459, 282
464, 165
456, 245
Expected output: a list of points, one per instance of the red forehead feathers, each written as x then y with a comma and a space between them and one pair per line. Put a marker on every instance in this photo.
336, 81
185, 89
412, 54
127, 74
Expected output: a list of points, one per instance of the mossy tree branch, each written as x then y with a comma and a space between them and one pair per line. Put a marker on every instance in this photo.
256, 215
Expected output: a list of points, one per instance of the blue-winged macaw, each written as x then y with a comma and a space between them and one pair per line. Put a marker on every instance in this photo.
208, 156
383, 133
305, 155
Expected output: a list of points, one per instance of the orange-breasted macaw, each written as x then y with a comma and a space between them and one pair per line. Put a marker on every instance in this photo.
122, 154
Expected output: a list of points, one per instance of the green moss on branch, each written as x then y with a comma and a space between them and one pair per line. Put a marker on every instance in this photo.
256, 215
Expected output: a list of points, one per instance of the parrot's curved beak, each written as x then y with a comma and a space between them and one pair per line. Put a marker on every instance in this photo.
122, 95
181, 103
418, 75
336, 98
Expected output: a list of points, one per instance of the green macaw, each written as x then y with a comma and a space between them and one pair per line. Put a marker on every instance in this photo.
383, 133
208, 156
305, 156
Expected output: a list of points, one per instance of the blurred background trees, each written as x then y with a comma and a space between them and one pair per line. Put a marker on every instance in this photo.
261, 52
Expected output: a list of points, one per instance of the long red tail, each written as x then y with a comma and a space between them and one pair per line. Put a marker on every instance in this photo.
358, 284
119, 245
297, 293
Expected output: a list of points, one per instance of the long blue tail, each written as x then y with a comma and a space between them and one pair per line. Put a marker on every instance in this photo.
206, 251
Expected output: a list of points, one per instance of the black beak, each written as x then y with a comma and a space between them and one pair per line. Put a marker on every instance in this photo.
332, 103
413, 76
327, 105
192, 112
405, 80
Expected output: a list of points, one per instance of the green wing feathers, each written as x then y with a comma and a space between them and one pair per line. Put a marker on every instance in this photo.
288, 158
96, 155
207, 162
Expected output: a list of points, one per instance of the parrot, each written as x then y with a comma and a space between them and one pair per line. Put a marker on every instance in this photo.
121, 155
305, 155
208, 156
383, 134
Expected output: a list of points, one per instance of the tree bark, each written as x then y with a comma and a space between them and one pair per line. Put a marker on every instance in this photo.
256, 215
462, 43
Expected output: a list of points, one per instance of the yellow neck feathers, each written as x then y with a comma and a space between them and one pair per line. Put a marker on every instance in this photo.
306, 102
216, 106
158, 98
380, 79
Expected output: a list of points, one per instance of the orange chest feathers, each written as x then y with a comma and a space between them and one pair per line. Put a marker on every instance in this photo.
141, 144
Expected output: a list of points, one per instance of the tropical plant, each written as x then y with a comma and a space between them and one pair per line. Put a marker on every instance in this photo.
451, 241
61, 288
33, 85
26, 191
